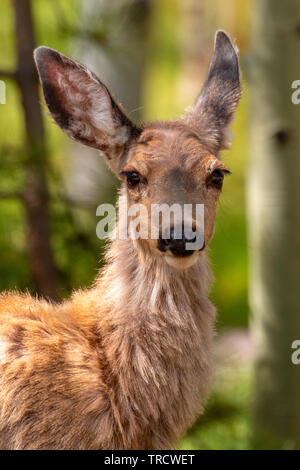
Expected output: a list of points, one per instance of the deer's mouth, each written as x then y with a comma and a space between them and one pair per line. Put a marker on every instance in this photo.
182, 262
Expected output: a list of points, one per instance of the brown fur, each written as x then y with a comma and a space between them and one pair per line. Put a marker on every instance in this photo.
125, 364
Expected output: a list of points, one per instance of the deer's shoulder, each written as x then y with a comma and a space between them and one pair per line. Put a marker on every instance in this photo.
41, 333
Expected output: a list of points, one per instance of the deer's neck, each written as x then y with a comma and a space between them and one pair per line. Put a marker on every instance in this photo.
155, 326
139, 290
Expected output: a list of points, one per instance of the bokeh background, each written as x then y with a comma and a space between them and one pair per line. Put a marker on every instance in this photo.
154, 56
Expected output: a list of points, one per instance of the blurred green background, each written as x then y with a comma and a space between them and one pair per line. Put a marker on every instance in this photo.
175, 60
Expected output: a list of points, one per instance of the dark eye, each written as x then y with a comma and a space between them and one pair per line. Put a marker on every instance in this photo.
133, 178
217, 177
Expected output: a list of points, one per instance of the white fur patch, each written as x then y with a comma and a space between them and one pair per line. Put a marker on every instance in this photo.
181, 263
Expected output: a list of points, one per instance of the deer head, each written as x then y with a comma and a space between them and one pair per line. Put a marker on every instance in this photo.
173, 162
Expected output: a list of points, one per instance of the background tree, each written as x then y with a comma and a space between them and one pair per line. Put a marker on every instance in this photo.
274, 221
34, 195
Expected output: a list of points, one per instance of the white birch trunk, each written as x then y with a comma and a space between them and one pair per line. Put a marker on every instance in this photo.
274, 221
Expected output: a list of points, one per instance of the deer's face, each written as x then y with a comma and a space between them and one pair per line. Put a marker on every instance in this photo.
169, 166
162, 164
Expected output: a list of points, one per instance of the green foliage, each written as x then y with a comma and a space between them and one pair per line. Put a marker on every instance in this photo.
225, 424
70, 240
163, 63
229, 246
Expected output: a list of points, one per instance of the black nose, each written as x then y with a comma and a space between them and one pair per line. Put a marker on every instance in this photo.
176, 245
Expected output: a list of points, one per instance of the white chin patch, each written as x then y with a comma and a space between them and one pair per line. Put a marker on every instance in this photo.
181, 262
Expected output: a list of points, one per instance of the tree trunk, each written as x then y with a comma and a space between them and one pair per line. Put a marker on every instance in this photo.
35, 194
274, 220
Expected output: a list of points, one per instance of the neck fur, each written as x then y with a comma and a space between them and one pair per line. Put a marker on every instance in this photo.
156, 327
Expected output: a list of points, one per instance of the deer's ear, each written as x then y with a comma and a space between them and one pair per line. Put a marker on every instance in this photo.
216, 105
83, 107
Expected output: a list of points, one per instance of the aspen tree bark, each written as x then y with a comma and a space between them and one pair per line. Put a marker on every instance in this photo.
274, 221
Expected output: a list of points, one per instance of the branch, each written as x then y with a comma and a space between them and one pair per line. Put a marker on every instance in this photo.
10, 74
11, 195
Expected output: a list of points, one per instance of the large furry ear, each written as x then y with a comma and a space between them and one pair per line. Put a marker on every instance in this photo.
83, 107
215, 106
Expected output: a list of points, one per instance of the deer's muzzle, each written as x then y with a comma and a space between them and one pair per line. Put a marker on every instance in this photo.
179, 244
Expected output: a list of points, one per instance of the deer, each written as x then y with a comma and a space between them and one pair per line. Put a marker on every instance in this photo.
126, 363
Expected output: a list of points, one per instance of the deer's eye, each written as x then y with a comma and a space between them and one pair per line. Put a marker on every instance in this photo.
133, 178
217, 177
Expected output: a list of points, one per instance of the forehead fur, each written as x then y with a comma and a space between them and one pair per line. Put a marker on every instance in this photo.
168, 144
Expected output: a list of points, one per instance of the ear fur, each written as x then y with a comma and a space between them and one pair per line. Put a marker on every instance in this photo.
83, 107
215, 107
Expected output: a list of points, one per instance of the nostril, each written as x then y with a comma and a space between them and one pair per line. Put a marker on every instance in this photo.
165, 243
162, 244
176, 244
178, 248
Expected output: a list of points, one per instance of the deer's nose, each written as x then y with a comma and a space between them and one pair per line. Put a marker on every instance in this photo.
176, 245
